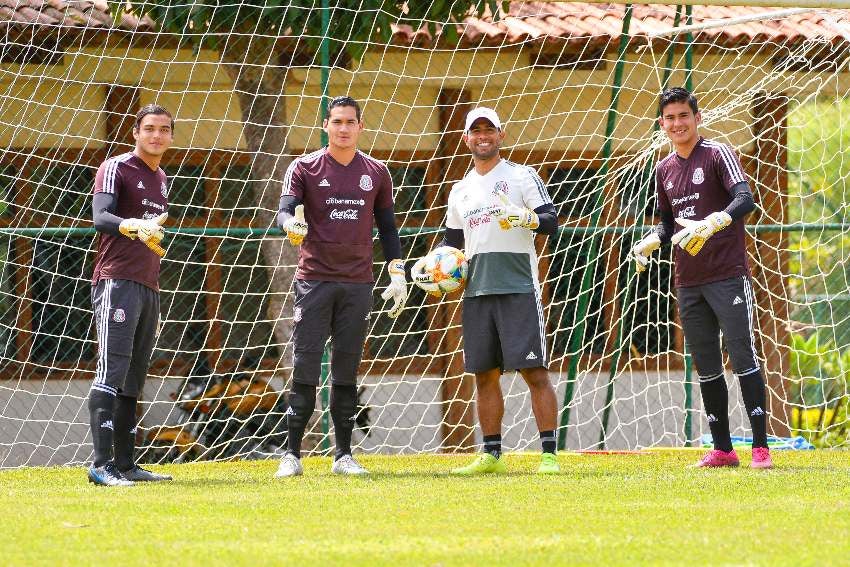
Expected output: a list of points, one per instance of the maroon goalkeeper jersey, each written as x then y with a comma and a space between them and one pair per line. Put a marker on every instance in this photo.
693, 188
339, 207
140, 193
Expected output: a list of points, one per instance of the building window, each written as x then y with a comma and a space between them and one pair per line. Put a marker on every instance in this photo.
186, 191
235, 195
409, 184
243, 310
573, 191
61, 299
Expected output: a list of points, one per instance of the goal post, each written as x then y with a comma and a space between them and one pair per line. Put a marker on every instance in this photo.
576, 86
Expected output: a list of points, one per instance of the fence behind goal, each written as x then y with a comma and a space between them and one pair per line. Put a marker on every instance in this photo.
576, 86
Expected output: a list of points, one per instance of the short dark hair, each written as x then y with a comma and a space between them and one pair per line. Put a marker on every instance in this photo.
677, 94
344, 101
152, 109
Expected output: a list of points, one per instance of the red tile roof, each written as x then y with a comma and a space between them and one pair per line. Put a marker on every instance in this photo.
537, 22
548, 22
67, 13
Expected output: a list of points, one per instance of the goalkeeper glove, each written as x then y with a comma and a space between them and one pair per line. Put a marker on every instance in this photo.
512, 216
397, 290
694, 235
296, 227
641, 251
149, 231
423, 279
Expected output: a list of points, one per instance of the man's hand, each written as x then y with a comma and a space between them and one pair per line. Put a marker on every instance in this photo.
695, 234
641, 251
296, 227
423, 279
512, 216
397, 290
149, 231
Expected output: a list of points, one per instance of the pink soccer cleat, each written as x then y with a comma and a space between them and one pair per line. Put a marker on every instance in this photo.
761, 458
717, 458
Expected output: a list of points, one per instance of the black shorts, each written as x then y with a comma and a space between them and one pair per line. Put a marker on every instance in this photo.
707, 310
504, 331
336, 310
126, 316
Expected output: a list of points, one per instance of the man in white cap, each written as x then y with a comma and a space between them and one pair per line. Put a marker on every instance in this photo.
496, 210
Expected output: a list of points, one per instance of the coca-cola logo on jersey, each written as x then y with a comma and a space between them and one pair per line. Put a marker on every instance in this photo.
344, 214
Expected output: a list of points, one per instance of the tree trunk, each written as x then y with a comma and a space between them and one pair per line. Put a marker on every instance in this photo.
252, 63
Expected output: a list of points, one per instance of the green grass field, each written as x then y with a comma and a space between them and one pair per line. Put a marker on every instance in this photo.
617, 509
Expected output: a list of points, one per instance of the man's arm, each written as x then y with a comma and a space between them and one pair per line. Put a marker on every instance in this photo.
695, 234
391, 245
388, 233
548, 219
286, 209
666, 227
742, 201
452, 237
290, 211
660, 234
106, 221
103, 213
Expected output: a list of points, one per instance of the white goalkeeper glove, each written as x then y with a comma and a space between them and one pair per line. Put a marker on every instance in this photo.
296, 227
423, 279
512, 216
397, 290
695, 234
641, 251
149, 231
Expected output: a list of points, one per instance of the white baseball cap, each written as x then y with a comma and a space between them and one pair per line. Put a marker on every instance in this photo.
482, 112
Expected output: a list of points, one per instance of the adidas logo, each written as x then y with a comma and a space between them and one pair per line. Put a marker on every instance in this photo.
757, 411
737, 301
711, 418
531, 356
289, 411
140, 185
107, 424
324, 183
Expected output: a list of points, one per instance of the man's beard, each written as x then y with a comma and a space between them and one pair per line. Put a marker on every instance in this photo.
486, 155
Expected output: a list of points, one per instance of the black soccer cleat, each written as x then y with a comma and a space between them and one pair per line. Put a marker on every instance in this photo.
138, 474
108, 475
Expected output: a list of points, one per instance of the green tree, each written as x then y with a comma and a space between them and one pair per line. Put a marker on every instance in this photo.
258, 43
819, 193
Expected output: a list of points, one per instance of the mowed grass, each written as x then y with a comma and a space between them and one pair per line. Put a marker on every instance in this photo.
613, 509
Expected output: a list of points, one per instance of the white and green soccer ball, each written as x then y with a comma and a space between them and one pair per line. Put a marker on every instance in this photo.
442, 271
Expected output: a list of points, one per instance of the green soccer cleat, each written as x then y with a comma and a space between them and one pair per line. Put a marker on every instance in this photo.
484, 463
548, 464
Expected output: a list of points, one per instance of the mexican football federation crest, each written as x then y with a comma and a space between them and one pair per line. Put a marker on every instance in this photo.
164, 189
119, 316
698, 177
365, 182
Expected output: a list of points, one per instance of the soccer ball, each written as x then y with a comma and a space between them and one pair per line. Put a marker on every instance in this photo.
442, 271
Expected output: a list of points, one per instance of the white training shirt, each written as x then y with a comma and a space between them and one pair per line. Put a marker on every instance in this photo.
500, 261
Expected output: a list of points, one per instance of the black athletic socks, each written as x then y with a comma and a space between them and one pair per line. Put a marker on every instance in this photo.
547, 440
100, 419
302, 402
343, 410
752, 390
124, 434
715, 401
493, 445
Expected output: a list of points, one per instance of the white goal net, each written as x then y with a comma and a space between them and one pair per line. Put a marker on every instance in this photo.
576, 86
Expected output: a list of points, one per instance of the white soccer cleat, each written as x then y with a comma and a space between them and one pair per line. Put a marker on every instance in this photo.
348, 466
290, 465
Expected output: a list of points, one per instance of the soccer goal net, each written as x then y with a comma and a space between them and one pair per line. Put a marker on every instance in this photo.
576, 87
